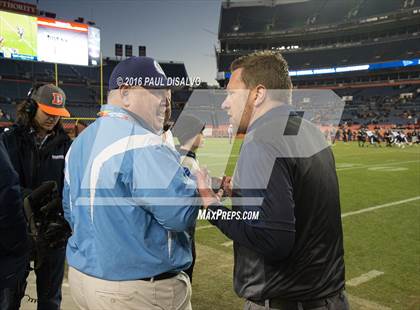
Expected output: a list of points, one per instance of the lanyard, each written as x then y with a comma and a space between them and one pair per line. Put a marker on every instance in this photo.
114, 115
124, 116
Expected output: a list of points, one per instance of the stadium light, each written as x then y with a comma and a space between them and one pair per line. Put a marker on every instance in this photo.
118, 50
142, 50
128, 50
50, 15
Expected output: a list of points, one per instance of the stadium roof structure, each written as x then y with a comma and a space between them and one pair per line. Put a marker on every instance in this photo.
278, 15
324, 38
245, 3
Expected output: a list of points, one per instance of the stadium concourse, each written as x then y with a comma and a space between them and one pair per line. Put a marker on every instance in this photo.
366, 52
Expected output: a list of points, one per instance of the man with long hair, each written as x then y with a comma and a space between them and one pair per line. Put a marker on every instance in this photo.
37, 145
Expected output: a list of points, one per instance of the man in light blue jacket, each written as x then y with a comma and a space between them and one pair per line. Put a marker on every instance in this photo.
128, 201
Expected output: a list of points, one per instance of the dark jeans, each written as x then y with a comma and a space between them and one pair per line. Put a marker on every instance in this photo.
49, 278
11, 296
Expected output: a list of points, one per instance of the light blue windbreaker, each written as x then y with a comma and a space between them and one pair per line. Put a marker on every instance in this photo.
127, 200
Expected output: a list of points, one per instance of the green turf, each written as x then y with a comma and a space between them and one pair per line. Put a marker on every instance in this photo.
9, 23
386, 240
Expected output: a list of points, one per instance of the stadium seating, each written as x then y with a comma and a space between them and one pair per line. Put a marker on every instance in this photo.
381, 105
335, 11
369, 105
355, 55
278, 16
371, 8
12, 91
267, 18
81, 84
8, 68
83, 110
334, 57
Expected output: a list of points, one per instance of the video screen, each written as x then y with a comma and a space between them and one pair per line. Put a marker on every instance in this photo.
62, 42
18, 36
94, 42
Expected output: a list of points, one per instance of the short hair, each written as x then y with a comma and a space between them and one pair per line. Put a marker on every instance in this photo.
267, 68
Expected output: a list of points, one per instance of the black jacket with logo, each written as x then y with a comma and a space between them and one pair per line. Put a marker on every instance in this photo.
34, 164
294, 251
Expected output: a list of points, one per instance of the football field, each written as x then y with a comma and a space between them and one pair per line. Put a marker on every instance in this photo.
380, 203
24, 43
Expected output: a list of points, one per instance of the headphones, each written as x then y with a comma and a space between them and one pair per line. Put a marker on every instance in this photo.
32, 104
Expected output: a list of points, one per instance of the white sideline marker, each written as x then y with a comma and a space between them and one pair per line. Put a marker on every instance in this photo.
380, 206
395, 203
365, 304
364, 278
227, 243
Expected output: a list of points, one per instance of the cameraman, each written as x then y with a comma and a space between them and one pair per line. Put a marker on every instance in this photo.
13, 236
37, 145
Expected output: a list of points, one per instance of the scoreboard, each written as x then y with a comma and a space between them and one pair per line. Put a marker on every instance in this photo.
34, 38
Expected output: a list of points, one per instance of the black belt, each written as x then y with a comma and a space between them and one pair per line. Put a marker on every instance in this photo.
282, 304
162, 276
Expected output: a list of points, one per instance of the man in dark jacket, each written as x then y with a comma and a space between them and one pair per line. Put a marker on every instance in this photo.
13, 236
292, 256
37, 146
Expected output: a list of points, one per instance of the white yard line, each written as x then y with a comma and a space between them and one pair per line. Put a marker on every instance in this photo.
390, 204
364, 278
378, 165
204, 227
360, 303
395, 203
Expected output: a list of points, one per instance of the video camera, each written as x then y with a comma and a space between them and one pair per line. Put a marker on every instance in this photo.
46, 222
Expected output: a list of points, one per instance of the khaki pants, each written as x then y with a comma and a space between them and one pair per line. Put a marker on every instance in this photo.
91, 293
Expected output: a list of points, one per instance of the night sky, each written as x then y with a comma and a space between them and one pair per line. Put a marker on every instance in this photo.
175, 30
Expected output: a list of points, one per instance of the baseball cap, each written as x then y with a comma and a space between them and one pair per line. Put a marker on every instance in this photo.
187, 127
138, 71
51, 100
